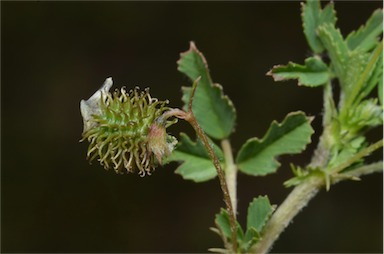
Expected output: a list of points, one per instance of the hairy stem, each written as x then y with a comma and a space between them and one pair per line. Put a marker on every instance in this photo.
321, 154
292, 205
304, 192
361, 171
297, 200
191, 119
227, 199
230, 172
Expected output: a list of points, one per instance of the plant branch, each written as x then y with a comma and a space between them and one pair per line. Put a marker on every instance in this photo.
361, 171
230, 172
304, 192
191, 119
321, 154
200, 133
292, 205
227, 199
298, 199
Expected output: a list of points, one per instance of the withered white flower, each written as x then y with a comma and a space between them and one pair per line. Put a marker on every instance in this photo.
92, 107
126, 130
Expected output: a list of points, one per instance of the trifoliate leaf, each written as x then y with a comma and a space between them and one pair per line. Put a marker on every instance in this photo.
313, 73
257, 157
366, 37
312, 18
196, 166
213, 110
259, 211
336, 47
222, 221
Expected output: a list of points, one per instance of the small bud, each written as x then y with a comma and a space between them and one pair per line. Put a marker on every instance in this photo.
126, 130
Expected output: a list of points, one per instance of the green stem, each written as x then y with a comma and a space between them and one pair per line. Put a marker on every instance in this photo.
230, 172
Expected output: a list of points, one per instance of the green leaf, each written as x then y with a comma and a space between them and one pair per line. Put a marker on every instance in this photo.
380, 91
375, 79
251, 237
214, 111
196, 166
353, 69
223, 223
336, 47
259, 211
348, 150
313, 17
366, 37
299, 176
313, 73
354, 92
328, 15
257, 157
364, 73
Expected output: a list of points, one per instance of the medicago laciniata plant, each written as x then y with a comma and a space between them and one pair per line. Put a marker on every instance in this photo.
127, 130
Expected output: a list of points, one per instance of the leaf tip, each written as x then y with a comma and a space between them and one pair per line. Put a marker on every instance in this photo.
275, 77
192, 45
310, 118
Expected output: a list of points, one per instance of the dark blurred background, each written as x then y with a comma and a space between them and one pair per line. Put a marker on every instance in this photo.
56, 53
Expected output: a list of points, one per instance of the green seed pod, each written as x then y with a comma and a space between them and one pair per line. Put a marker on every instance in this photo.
126, 130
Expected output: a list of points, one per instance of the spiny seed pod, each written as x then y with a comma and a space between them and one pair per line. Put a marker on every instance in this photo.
126, 130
